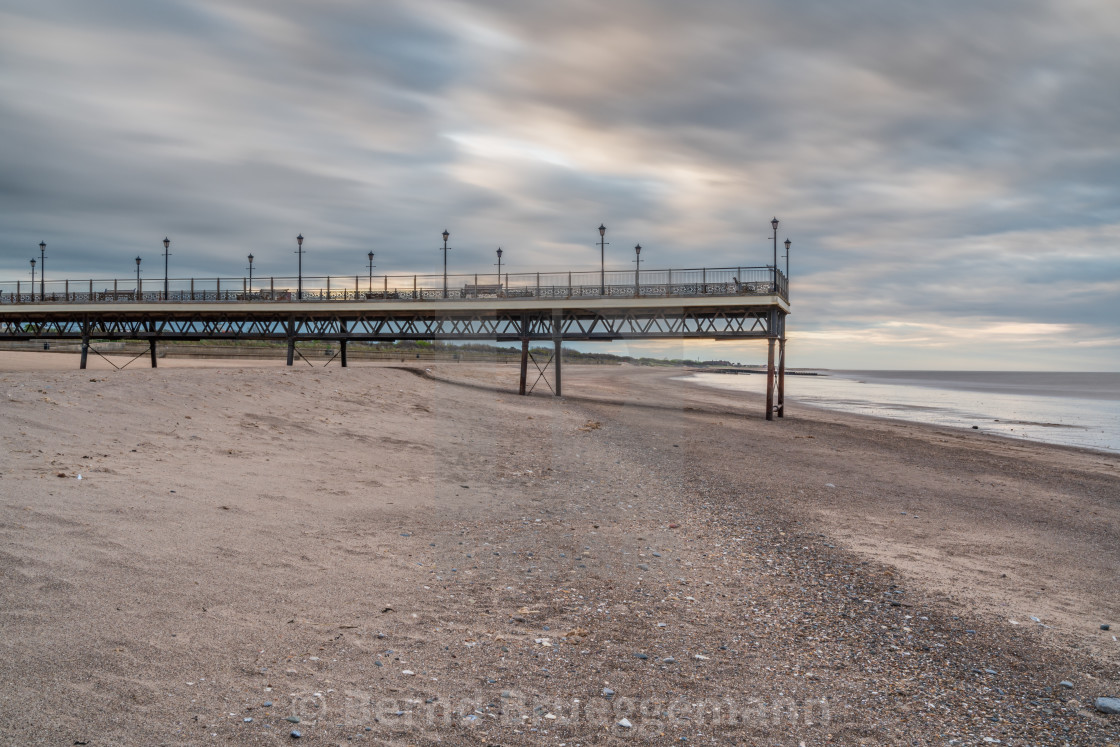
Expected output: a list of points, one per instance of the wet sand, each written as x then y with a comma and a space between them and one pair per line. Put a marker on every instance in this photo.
401, 555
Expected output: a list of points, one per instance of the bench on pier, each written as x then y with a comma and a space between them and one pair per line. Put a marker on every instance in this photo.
116, 295
482, 289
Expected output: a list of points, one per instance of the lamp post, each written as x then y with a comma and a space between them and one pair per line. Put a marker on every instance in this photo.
42, 272
500, 268
250, 274
788, 242
637, 267
299, 281
166, 254
446, 236
32, 278
137, 277
774, 223
602, 260
371, 256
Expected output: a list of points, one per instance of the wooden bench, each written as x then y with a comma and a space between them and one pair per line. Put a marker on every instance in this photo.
482, 290
117, 295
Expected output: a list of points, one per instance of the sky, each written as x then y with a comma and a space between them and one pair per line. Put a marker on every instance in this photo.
948, 173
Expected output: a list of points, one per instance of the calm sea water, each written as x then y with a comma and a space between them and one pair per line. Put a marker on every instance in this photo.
1074, 409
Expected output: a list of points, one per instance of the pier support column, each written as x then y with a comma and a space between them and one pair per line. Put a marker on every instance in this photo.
524, 364
782, 378
556, 359
291, 350
770, 380
85, 351
152, 350
557, 354
342, 344
524, 353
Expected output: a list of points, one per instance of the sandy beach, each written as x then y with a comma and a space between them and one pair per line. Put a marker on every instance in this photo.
394, 554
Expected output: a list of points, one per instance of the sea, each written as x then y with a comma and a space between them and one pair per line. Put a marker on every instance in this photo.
1072, 409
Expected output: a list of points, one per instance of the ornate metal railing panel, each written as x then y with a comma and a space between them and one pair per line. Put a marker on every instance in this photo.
747, 281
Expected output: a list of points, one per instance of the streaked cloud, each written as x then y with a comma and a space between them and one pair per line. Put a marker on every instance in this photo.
945, 168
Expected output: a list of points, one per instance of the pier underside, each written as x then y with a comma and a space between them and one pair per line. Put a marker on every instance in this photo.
500, 320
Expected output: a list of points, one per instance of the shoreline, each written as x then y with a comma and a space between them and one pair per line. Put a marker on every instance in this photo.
894, 406
303, 537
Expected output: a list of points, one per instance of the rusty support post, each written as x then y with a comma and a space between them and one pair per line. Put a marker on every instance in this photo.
85, 351
782, 377
152, 350
342, 344
770, 380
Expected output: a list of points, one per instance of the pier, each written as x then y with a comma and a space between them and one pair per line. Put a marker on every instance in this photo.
724, 303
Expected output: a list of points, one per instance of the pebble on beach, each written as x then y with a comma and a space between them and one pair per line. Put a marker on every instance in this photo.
1107, 705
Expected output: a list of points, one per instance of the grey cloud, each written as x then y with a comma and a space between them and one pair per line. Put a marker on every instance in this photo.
900, 142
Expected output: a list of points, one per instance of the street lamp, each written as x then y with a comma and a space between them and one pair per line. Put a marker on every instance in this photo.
250, 274
788, 242
138, 278
42, 271
602, 260
500, 268
32, 278
166, 254
299, 251
446, 235
370, 255
637, 267
774, 223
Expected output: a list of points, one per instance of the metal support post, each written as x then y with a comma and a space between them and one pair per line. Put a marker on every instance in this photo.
291, 342
152, 350
782, 377
556, 359
85, 351
557, 354
524, 364
342, 344
770, 380
524, 353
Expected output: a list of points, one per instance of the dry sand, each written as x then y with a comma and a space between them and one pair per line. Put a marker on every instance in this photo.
411, 556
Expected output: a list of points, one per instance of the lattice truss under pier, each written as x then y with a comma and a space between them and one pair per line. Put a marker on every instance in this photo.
537, 324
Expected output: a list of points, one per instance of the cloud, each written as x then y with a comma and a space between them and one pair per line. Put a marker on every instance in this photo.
951, 164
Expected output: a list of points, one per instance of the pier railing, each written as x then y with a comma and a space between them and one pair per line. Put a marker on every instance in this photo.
721, 281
